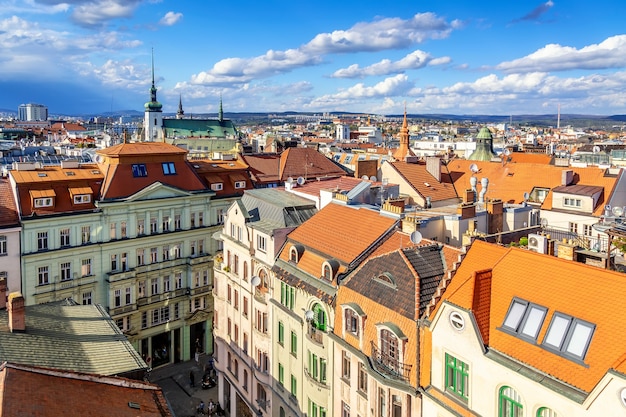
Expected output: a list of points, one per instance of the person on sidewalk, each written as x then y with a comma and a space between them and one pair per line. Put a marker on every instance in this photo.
201, 408
191, 379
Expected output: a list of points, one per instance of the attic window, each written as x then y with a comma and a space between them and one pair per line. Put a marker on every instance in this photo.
139, 170
134, 405
524, 319
387, 279
569, 336
168, 168
240, 184
43, 202
95, 172
70, 173
42, 174
218, 186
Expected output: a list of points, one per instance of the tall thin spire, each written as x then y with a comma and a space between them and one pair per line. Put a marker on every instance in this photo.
404, 149
220, 115
180, 113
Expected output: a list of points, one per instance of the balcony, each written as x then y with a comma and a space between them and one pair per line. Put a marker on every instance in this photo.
389, 365
315, 335
122, 310
201, 290
121, 275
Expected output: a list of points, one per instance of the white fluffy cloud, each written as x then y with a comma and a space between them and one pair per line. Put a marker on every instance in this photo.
99, 12
415, 60
171, 18
611, 53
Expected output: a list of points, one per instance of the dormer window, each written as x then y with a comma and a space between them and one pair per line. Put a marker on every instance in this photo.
329, 269
81, 195
139, 170
44, 202
218, 186
82, 199
572, 202
353, 316
295, 253
240, 184
42, 198
168, 168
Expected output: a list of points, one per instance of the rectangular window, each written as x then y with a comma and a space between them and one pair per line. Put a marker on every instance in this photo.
124, 265
166, 253
154, 255
43, 202
281, 333
294, 344
141, 288
178, 280
117, 298
236, 300
82, 198
261, 243
112, 230
245, 306
123, 231
154, 286
287, 295
281, 374
294, 385
351, 321
42, 241
168, 168
569, 335
87, 298
139, 170
128, 295
3, 245
141, 257
64, 235
345, 366
141, 226
587, 230
457, 377
85, 267
165, 224
345, 410
573, 227
362, 382
524, 318
240, 184
42, 273
200, 218
114, 263
572, 202
220, 216
66, 271
177, 222
153, 225
85, 232
322, 370
167, 284
216, 186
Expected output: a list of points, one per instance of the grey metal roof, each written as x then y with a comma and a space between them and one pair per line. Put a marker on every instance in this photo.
277, 207
358, 189
64, 335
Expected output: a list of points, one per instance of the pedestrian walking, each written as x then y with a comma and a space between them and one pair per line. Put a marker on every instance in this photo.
191, 379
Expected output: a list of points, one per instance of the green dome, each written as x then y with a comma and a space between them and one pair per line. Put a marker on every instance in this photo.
484, 133
484, 146
153, 105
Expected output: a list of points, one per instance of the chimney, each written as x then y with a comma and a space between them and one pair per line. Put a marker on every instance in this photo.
567, 176
17, 320
495, 223
466, 210
469, 196
3, 293
433, 166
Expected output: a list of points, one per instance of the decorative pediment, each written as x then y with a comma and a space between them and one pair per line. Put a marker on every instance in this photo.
157, 191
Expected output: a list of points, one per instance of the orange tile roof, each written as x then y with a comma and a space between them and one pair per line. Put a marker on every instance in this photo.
263, 167
578, 290
424, 183
343, 232
30, 391
343, 183
533, 158
141, 149
224, 172
8, 208
509, 182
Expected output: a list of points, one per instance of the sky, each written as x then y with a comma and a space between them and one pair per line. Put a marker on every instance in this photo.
428, 57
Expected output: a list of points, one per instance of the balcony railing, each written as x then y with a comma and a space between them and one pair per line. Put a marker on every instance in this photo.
389, 365
315, 335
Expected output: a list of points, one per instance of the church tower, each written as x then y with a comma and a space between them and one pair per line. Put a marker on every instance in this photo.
404, 150
153, 116
180, 113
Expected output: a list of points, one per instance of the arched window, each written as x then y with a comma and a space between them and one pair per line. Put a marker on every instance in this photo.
295, 253
319, 317
327, 272
281, 412
509, 403
264, 285
546, 412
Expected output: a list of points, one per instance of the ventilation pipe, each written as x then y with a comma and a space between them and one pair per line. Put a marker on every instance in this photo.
484, 183
473, 182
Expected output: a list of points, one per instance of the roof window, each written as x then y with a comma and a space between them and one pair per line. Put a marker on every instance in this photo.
139, 170
168, 168
569, 336
524, 319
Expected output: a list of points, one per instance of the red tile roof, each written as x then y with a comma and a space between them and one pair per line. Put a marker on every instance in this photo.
424, 183
33, 391
263, 167
307, 163
225, 173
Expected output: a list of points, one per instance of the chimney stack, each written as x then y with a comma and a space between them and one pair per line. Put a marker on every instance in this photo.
433, 166
17, 319
3, 293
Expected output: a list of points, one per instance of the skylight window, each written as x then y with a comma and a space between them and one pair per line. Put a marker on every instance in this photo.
569, 336
524, 319
168, 168
139, 170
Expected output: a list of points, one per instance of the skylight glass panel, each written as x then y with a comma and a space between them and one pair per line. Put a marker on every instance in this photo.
579, 340
514, 317
533, 322
556, 332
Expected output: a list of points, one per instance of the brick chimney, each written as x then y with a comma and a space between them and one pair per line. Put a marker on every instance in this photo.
3, 293
495, 208
17, 319
433, 166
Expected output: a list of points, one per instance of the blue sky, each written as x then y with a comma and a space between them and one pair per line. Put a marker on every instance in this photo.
452, 57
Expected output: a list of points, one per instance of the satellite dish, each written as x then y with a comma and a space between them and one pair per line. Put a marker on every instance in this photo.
596, 149
544, 223
607, 207
473, 168
617, 211
364, 177
309, 315
373, 178
416, 237
526, 196
290, 180
255, 281
300, 180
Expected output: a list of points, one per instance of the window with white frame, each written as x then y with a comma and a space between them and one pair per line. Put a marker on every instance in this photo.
123, 230
66, 271
220, 216
261, 243
64, 237
178, 280
154, 255
141, 257
167, 285
42, 240
168, 168
351, 321
177, 222
43, 275
3, 245
153, 225
117, 298
87, 298
85, 232
165, 224
114, 263
85, 267
44, 202
82, 198
217, 186
240, 184
572, 202
141, 226
166, 253
128, 295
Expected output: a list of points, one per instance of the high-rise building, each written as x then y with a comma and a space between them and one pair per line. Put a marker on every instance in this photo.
32, 112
